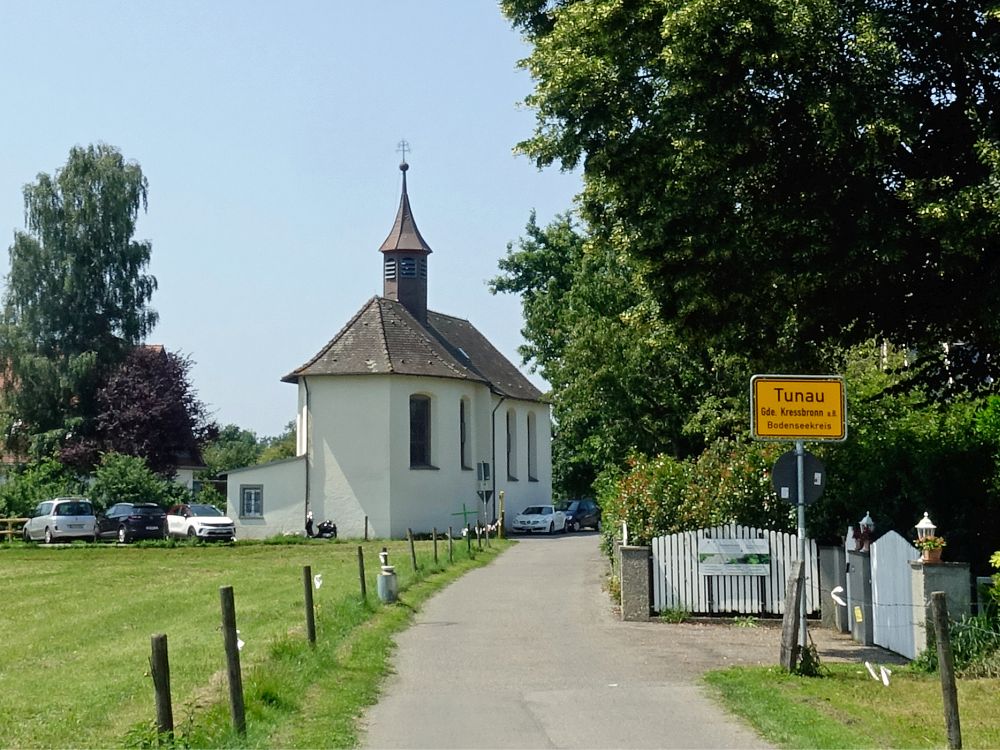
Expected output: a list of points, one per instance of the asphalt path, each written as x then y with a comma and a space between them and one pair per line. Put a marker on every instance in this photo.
528, 653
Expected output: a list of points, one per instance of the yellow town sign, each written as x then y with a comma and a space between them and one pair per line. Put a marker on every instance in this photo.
798, 407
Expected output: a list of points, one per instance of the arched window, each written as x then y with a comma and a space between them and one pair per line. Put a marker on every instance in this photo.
511, 444
408, 268
532, 449
463, 432
420, 431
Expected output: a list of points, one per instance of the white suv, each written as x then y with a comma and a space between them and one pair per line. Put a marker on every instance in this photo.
61, 518
200, 521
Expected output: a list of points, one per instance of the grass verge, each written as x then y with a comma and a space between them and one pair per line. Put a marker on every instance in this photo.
77, 622
846, 708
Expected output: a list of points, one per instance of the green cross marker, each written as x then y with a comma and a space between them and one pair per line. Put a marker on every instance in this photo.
465, 514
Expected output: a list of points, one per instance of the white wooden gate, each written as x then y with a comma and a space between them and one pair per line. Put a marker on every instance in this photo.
678, 583
892, 595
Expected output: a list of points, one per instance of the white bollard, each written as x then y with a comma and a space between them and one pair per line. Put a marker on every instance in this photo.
388, 586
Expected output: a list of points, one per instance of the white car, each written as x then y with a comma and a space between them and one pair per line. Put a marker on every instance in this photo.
541, 518
200, 521
61, 518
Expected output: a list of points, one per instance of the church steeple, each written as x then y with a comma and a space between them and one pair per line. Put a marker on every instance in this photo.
404, 261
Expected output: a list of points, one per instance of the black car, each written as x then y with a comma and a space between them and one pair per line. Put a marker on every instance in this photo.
581, 513
128, 521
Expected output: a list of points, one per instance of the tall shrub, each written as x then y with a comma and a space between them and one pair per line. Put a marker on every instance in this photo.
647, 498
34, 482
128, 479
731, 482
728, 482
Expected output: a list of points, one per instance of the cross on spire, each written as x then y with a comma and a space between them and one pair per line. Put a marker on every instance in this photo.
402, 147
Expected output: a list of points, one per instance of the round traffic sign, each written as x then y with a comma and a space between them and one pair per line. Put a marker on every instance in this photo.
784, 477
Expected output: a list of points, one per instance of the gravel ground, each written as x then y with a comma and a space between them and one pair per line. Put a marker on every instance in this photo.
692, 648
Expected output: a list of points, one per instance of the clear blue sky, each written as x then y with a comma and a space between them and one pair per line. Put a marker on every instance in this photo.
268, 134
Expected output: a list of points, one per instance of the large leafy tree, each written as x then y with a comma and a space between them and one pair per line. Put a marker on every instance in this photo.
280, 446
77, 296
815, 170
621, 381
233, 448
149, 409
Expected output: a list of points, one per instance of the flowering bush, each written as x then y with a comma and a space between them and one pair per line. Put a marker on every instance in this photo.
730, 481
647, 498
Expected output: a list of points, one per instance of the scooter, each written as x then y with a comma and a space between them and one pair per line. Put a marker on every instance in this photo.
326, 530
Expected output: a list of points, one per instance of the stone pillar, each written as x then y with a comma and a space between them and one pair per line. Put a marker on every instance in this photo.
635, 583
860, 572
833, 573
954, 579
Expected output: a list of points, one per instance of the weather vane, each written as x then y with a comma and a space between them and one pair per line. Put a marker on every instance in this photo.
402, 147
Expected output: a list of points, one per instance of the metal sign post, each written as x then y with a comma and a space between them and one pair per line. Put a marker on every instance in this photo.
800, 461
799, 408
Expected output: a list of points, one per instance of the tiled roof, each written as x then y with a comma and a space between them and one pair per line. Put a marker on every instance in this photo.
384, 338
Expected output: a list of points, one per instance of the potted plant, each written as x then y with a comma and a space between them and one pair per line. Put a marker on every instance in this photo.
930, 547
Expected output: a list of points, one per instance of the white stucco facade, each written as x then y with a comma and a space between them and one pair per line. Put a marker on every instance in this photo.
281, 486
528, 478
355, 438
358, 447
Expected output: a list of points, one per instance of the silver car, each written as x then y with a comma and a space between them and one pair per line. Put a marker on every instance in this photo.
540, 518
61, 518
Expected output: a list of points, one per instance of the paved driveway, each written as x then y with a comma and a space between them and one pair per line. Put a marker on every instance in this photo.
526, 653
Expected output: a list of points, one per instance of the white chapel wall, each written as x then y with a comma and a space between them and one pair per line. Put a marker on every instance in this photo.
349, 452
424, 499
283, 489
525, 490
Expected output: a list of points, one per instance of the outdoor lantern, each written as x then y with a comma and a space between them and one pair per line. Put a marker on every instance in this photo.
866, 523
864, 534
925, 528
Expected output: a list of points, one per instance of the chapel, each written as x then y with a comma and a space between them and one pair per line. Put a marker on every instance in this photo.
407, 419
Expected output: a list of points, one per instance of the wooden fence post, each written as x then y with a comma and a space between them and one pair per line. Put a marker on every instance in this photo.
946, 666
479, 536
230, 638
468, 538
361, 571
789, 656
434, 536
159, 667
366, 528
451, 547
310, 612
413, 552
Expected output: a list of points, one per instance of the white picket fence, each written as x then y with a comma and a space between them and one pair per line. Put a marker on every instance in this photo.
679, 585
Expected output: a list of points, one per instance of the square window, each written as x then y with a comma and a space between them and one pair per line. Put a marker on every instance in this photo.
252, 501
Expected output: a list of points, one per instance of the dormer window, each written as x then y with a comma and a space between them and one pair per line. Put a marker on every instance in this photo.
390, 269
408, 268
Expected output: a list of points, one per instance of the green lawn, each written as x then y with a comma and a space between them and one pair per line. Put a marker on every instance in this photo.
77, 623
848, 709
